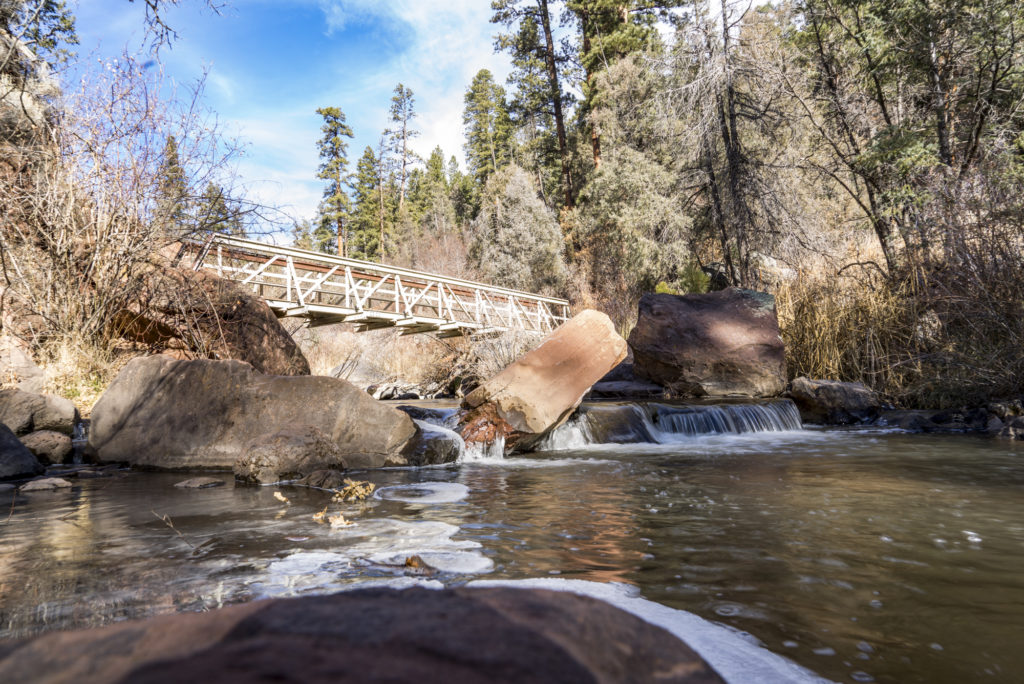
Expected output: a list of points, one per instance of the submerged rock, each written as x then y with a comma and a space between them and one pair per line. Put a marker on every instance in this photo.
1014, 429
833, 402
323, 479
456, 636
542, 388
16, 460
49, 446
723, 343
200, 483
25, 412
45, 484
163, 413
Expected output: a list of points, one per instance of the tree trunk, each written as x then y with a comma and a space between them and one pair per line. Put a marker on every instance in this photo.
556, 100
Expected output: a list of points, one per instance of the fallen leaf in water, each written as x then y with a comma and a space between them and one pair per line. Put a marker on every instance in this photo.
338, 521
321, 516
282, 498
354, 491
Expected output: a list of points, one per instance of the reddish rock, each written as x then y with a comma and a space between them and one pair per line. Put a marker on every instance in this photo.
724, 343
543, 387
48, 446
193, 314
457, 636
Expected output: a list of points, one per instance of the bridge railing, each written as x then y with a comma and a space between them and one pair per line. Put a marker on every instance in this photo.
329, 289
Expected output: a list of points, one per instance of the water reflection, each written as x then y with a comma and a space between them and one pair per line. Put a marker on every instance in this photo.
890, 556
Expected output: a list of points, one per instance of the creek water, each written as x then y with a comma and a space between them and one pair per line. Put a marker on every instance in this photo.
862, 555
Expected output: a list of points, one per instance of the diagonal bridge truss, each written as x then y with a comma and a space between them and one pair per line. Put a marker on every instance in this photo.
326, 289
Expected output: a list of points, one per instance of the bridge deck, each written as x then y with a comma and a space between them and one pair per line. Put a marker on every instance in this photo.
327, 289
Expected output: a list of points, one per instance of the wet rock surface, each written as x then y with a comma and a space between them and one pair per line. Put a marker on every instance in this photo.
15, 459
45, 484
288, 455
49, 446
373, 635
724, 343
540, 390
832, 402
200, 483
164, 413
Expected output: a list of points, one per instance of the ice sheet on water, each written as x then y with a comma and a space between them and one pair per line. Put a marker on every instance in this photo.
736, 659
424, 493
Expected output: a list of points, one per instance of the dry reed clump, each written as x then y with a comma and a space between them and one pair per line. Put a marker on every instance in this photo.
934, 344
80, 370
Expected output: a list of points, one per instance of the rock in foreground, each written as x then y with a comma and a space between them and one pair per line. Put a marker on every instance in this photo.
724, 343
163, 413
833, 402
539, 391
15, 459
374, 635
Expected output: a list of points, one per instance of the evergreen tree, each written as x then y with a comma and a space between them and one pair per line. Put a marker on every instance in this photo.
45, 27
516, 240
531, 20
400, 136
487, 125
335, 206
215, 213
365, 225
171, 210
462, 191
302, 235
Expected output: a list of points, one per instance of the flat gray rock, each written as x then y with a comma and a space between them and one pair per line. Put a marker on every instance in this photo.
200, 483
46, 484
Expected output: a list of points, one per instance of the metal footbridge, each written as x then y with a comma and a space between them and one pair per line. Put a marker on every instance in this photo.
327, 289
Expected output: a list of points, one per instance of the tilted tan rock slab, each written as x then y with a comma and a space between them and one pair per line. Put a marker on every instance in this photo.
542, 388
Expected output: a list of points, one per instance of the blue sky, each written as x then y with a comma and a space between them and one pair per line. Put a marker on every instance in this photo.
271, 63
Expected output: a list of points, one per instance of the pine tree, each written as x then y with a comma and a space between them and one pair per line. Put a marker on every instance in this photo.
488, 126
215, 213
365, 225
462, 192
171, 210
335, 206
400, 136
302, 235
45, 27
535, 16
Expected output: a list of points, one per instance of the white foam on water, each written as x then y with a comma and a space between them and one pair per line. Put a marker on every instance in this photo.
735, 658
424, 493
380, 541
479, 452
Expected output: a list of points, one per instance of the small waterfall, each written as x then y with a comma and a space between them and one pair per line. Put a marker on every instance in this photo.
478, 451
79, 440
665, 423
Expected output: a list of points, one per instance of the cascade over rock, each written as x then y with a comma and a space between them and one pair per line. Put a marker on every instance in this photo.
458, 636
724, 343
540, 390
165, 413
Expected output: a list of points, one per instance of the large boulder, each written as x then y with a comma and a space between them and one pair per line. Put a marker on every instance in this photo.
17, 367
833, 402
16, 460
49, 446
198, 315
25, 412
458, 636
542, 388
724, 343
289, 454
165, 413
